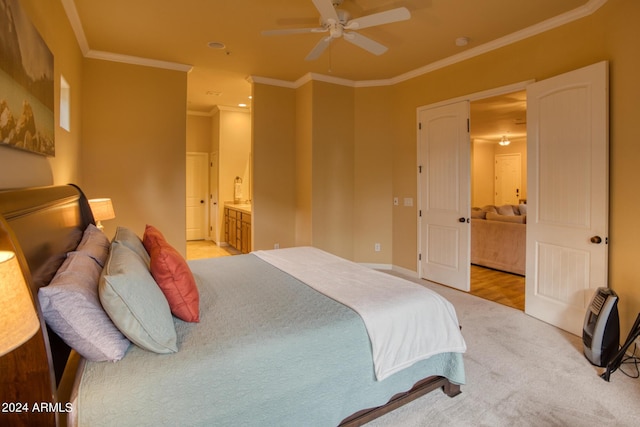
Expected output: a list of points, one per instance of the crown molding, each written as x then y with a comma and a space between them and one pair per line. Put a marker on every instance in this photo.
200, 113
136, 60
74, 19
324, 78
551, 23
580, 12
218, 108
273, 82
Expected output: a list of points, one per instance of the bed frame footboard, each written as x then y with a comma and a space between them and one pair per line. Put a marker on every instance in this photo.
421, 388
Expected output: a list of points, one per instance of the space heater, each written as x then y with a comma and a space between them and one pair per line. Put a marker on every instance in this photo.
601, 331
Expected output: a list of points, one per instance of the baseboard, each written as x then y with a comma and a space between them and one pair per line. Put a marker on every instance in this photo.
391, 267
405, 272
374, 266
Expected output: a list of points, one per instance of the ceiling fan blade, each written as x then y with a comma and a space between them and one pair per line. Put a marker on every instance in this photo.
365, 42
293, 31
319, 48
387, 17
326, 9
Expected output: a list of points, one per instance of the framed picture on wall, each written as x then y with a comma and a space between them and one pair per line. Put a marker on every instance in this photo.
26, 83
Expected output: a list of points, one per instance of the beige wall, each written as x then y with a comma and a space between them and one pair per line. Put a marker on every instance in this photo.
134, 145
138, 129
198, 133
483, 158
127, 138
274, 176
373, 180
609, 34
22, 169
321, 197
332, 192
234, 154
304, 165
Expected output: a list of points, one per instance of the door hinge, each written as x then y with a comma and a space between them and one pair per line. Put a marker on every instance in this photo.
419, 125
420, 213
468, 126
420, 169
419, 257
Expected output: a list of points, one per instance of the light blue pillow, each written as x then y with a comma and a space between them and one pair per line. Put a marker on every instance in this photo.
72, 309
135, 303
131, 240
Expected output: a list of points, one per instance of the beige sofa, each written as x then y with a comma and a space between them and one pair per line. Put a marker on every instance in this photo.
498, 237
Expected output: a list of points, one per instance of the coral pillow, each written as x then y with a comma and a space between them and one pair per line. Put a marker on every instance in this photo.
171, 272
152, 237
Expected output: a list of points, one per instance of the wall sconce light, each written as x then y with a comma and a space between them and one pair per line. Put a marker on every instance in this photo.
504, 141
18, 318
102, 210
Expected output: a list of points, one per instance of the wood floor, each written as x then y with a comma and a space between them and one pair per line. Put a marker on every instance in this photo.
197, 249
497, 286
503, 288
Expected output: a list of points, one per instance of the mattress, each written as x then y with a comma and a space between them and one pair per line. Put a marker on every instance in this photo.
269, 350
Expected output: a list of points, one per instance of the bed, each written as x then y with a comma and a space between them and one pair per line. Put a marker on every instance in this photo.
269, 347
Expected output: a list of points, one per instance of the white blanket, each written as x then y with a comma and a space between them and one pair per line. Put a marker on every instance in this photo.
406, 322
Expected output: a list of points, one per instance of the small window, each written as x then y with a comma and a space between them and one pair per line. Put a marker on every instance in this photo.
65, 105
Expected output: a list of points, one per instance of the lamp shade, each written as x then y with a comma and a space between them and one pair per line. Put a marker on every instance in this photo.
18, 318
102, 209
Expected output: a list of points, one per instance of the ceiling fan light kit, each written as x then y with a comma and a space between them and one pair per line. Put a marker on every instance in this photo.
336, 21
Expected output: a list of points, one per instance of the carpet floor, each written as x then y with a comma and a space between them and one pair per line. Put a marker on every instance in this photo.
521, 372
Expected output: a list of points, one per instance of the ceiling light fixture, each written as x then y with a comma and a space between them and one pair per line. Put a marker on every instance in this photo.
504, 141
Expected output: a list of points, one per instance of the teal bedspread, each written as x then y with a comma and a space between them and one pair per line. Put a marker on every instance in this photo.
268, 351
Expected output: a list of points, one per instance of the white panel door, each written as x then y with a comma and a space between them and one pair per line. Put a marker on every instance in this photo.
567, 214
214, 214
196, 195
508, 179
445, 192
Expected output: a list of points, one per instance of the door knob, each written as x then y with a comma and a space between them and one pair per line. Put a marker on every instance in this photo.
463, 219
596, 239
201, 201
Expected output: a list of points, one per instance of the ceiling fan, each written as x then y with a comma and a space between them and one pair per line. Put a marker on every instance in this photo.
338, 23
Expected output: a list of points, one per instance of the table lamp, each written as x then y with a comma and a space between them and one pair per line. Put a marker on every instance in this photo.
18, 318
102, 210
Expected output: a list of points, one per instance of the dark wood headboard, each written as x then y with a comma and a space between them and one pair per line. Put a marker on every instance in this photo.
40, 225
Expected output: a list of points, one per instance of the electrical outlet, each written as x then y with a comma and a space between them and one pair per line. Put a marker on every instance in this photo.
276, 246
396, 201
376, 247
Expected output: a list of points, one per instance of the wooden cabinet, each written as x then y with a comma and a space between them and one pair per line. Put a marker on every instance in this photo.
237, 229
245, 233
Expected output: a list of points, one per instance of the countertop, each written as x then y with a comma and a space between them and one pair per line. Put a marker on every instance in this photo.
241, 207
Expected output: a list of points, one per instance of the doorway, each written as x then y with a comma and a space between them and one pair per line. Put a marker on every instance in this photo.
196, 192
499, 151
567, 229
